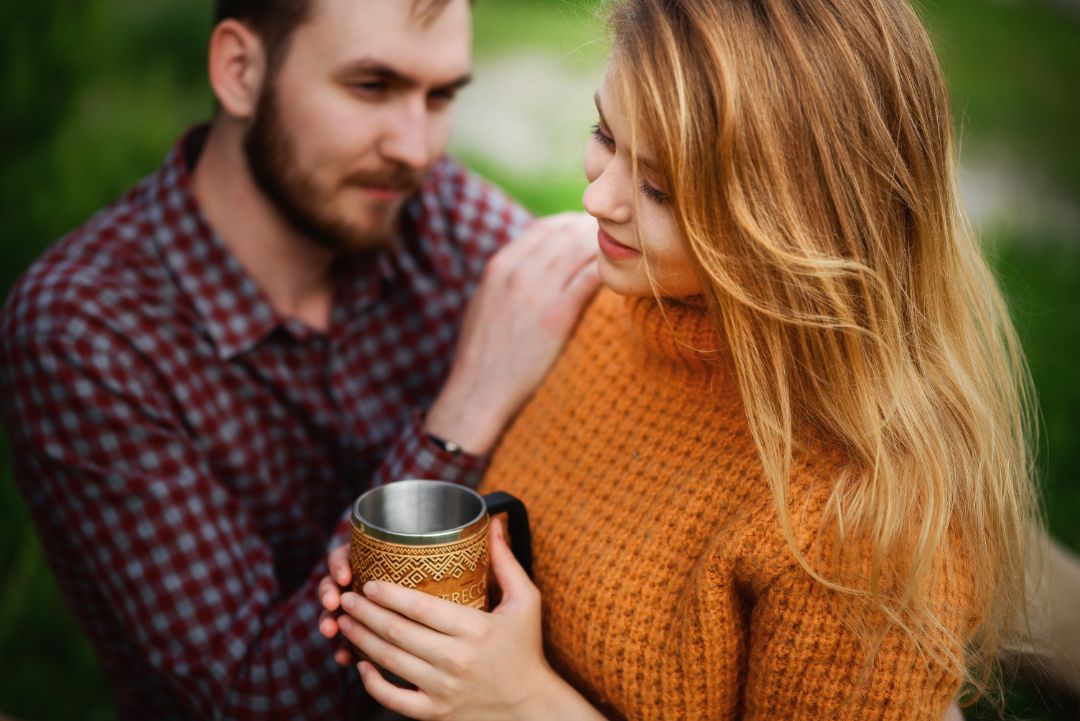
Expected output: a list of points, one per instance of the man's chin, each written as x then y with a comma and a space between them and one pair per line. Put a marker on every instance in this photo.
369, 242
377, 232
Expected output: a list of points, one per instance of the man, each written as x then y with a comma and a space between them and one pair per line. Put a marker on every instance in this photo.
199, 380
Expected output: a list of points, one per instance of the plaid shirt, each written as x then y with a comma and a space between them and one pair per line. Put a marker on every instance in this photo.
188, 454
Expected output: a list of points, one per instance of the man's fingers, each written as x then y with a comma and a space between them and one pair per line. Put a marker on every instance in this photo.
328, 625
584, 283
563, 230
344, 657
338, 563
329, 594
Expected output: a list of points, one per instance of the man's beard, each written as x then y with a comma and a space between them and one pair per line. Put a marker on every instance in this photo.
271, 157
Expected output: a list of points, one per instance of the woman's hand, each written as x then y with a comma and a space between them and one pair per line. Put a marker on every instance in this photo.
467, 664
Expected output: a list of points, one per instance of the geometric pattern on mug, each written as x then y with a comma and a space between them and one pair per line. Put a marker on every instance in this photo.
412, 565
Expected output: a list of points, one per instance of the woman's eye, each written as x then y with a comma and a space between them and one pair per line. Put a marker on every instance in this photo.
603, 138
654, 194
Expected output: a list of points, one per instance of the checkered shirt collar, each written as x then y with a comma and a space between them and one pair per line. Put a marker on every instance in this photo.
233, 309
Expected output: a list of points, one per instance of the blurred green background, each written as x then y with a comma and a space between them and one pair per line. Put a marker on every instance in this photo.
96, 91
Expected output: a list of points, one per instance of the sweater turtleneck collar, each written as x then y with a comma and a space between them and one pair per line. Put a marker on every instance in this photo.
678, 329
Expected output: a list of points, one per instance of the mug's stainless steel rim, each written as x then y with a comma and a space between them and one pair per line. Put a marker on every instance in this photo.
459, 532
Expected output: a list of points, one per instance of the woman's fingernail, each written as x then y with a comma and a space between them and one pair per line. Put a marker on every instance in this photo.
371, 588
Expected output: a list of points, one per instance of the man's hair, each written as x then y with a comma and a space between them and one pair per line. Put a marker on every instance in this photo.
275, 20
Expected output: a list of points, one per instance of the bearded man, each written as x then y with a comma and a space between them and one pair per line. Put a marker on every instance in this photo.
295, 306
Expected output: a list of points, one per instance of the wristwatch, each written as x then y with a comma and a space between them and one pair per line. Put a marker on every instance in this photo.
448, 446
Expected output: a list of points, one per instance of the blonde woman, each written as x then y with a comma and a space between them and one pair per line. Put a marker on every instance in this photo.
782, 470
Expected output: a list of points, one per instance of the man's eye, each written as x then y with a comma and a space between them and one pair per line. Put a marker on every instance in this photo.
440, 98
370, 87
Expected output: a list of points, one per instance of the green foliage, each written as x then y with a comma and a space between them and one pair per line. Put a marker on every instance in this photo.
1042, 280
575, 27
1014, 68
42, 52
49, 671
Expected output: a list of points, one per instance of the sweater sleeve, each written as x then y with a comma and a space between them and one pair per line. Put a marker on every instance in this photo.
806, 662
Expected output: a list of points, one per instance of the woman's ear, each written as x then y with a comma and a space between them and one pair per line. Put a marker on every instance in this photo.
237, 68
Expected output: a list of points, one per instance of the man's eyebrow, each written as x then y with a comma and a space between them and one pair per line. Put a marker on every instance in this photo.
382, 71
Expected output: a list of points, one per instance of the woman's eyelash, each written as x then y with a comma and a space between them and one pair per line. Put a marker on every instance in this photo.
601, 137
653, 194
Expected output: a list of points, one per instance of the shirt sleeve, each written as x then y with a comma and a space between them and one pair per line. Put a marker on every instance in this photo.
153, 552
807, 663
415, 455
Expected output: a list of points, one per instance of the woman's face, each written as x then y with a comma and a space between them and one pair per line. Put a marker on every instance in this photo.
636, 221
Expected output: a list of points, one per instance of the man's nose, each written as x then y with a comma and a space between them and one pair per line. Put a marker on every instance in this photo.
406, 140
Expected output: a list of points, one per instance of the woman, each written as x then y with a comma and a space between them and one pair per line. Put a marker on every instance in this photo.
782, 469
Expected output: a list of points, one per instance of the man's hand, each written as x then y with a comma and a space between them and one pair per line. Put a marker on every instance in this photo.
331, 587
525, 308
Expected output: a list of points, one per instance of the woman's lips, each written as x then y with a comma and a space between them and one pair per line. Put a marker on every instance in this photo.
613, 249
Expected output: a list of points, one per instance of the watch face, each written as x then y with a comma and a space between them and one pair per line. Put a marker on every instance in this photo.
448, 446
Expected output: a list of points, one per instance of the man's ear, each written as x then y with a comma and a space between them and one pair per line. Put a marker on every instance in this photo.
237, 68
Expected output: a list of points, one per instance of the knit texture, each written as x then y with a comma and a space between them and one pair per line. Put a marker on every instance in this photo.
668, 589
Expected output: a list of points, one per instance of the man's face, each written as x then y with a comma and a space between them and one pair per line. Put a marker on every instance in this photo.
355, 114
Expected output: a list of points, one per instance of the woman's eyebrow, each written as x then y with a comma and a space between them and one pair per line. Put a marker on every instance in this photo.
648, 162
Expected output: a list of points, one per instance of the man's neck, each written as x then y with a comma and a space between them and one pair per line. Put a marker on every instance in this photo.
293, 271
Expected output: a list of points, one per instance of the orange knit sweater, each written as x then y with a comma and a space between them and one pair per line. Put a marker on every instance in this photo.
669, 592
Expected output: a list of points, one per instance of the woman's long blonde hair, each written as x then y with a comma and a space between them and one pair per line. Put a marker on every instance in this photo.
807, 147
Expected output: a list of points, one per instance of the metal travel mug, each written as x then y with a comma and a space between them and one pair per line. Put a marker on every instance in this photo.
432, 536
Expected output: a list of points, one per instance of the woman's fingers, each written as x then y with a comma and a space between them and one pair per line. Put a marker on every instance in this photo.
413, 704
444, 616
516, 586
394, 628
393, 658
